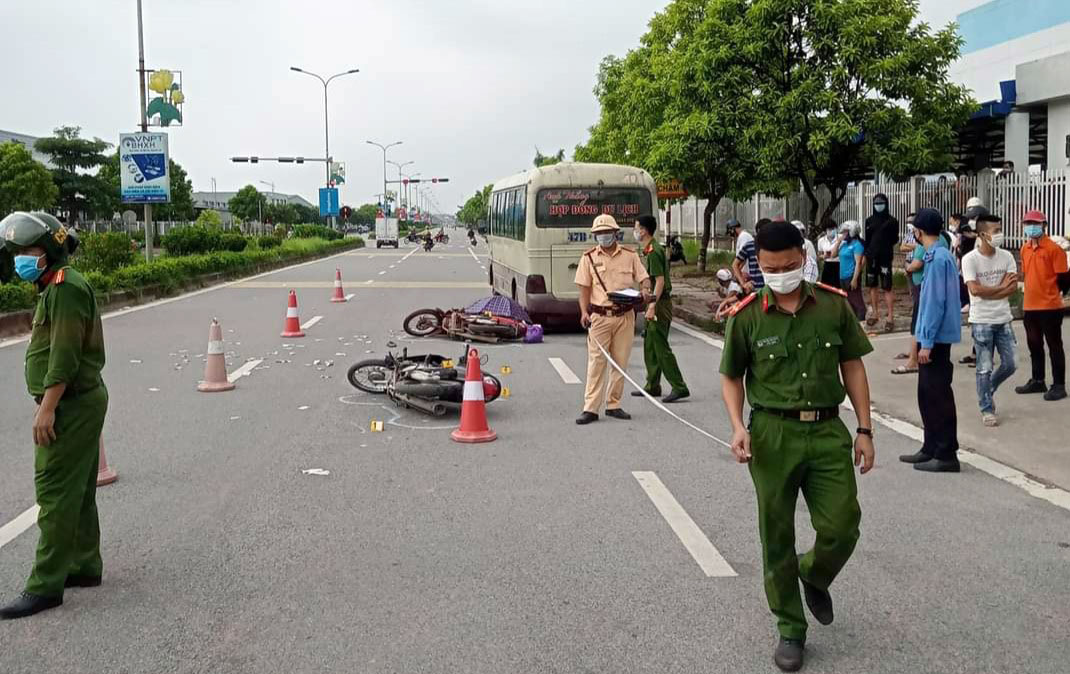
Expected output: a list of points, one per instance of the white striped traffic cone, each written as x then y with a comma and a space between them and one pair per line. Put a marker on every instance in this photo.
339, 294
215, 365
474, 426
293, 323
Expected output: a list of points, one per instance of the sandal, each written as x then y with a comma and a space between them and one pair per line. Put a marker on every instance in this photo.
902, 356
871, 321
889, 326
903, 369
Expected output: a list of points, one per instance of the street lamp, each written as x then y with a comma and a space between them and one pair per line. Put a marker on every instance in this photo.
399, 167
410, 178
326, 133
384, 148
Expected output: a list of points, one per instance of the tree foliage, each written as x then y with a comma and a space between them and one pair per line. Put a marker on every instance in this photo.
247, 204
25, 184
283, 214
209, 218
179, 209
841, 86
548, 160
73, 157
365, 215
474, 210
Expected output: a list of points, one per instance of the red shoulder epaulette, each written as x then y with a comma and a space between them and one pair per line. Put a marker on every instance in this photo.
831, 289
60, 276
742, 303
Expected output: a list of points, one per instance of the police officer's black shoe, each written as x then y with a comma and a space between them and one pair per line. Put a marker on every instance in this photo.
27, 605
819, 602
788, 655
1031, 386
82, 581
938, 466
1056, 392
587, 418
639, 394
618, 414
917, 457
676, 395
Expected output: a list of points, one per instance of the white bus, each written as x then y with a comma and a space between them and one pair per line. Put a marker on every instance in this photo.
539, 225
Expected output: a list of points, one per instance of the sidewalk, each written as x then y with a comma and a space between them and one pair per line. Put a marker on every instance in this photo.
1032, 435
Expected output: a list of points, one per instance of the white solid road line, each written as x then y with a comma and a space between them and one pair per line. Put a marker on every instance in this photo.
566, 373
1013, 476
15, 527
243, 370
700, 547
312, 321
474, 256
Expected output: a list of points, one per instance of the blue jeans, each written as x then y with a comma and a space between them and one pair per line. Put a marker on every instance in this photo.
989, 338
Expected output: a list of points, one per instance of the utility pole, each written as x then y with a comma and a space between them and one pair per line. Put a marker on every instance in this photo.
144, 122
384, 148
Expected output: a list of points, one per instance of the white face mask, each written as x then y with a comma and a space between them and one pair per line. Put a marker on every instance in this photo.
606, 240
638, 233
880, 207
996, 240
784, 283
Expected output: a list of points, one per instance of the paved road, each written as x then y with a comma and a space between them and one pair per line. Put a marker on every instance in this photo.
542, 552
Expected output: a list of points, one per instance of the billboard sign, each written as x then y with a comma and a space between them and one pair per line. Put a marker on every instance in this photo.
328, 201
145, 176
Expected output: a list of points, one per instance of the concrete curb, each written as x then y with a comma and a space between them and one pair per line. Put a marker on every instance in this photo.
19, 322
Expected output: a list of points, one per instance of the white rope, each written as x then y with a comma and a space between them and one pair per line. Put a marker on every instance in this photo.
657, 403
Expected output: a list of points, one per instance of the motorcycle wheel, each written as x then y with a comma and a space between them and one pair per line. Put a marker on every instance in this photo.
424, 322
369, 376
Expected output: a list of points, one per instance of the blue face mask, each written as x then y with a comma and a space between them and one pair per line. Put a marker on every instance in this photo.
879, 207
26, 267
1034, 231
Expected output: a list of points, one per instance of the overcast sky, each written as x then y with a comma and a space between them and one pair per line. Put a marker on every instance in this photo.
470, 86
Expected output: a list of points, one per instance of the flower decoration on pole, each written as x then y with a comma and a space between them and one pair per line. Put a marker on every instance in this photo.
166, 108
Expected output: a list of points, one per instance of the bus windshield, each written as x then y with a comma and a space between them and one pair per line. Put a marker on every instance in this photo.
578, 206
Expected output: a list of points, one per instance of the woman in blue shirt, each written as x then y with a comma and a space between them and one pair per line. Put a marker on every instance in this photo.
850, 253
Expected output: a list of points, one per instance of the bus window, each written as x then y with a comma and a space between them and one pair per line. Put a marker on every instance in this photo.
577, 207
521, 213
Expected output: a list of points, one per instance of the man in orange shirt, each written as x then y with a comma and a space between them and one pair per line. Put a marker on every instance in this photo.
1045, 269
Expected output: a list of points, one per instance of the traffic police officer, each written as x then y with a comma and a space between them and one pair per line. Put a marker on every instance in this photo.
791, 342
657, 353
63, 363
607, 268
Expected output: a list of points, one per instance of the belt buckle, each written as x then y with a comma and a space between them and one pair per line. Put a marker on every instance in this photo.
808, 415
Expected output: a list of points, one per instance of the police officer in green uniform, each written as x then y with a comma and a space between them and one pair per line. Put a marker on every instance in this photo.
63, 363
657, 353
799, 349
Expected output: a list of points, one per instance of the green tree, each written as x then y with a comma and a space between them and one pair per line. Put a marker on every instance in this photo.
73, 158
247, 204
25, 184
474, 210
283, 214
548, 160
678, 107
209, 218
306, 214
841, 86
365, 215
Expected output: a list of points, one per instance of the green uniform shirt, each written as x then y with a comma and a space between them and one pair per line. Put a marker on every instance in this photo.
657, 265
67, 342
792, 362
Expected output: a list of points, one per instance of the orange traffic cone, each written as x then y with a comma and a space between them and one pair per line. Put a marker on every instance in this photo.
474, 408
293, 323
105, 473
339, 296
215, 365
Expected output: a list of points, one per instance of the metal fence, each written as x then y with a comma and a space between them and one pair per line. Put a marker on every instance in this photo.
1008, 195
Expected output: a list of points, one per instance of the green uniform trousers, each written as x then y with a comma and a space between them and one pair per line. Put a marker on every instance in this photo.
788, 456
659, 357
65, 476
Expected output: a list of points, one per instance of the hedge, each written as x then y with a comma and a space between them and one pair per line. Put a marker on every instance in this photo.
169, 273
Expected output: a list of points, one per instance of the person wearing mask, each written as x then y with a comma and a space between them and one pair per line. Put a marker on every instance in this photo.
939, 326
604, 269
64, 359
991, 276
745, 267
798, 349
828, 249
810, 270
915, 269
851, 253
882, 234
1046, 279
657, 353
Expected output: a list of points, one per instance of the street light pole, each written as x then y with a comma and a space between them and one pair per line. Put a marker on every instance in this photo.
384, 148
399, 167
326, 122
144, 122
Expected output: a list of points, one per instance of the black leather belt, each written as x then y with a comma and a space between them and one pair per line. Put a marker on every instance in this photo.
809, 416
615, 310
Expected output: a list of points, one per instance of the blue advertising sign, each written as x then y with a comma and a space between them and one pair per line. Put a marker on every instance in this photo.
328, 201
143, 168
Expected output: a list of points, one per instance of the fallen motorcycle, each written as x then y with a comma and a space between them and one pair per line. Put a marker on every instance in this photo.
458, 324
442, 237
426, 383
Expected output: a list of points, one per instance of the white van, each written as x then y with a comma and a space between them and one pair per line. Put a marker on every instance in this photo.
539, 225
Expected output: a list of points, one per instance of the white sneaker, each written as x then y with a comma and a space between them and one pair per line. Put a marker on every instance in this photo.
989, 419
